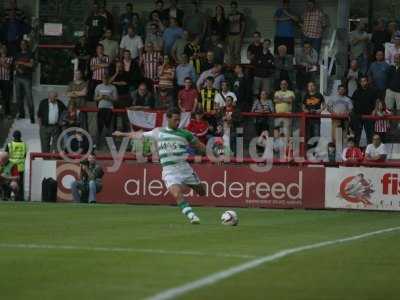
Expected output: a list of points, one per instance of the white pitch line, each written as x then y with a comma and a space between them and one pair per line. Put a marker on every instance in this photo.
216, 277
117, 249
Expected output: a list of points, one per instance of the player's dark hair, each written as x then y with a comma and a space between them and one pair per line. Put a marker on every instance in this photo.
173, 111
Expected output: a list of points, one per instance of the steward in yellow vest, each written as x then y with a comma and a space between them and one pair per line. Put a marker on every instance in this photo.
17, 151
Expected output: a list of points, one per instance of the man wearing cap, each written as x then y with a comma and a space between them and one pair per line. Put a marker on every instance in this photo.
17, 150
8, 176
393, 50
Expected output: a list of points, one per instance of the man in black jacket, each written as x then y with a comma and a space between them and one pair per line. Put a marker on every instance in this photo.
264, 69
242, 87
49, 113
364, 102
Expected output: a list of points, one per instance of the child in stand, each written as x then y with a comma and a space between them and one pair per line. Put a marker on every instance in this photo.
382, 127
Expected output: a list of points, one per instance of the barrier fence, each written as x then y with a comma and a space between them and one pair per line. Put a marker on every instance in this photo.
311, 185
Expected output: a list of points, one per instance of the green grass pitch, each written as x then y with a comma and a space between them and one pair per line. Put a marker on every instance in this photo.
67, 251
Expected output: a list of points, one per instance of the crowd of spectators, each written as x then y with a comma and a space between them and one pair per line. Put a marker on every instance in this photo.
193, 61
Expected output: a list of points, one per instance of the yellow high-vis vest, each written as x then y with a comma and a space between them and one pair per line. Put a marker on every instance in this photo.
17, 152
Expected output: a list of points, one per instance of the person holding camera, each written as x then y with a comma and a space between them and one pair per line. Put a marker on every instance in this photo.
90, 182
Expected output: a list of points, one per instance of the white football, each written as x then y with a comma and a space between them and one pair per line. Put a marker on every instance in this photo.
230, 218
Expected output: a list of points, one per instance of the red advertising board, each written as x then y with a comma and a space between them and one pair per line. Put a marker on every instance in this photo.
226, 185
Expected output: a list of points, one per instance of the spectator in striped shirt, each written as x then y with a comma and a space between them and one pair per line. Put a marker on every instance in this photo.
382, 127
150, 62
207, 96
99, 65
313, 24
352, 153
166, 75
6, 62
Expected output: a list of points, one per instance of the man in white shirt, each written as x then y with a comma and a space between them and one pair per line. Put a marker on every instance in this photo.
133, 43
220, 97
393, 49
376, 152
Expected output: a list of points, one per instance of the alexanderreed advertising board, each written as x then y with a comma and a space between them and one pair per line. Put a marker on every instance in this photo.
226, 185
362, 188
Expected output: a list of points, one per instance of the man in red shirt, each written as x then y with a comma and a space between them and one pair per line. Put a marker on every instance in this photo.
8, 176
188, 97
352, 153
198, 126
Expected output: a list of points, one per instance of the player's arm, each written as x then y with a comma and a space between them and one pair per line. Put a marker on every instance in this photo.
131, 135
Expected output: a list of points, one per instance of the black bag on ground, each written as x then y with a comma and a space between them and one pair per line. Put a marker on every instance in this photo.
49, 190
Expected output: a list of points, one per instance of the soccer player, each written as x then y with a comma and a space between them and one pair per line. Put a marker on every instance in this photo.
172, 143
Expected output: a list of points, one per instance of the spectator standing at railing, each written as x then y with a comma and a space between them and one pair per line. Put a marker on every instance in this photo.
192, 50
111, 47
105, 95
313, 24
236, 30
24, 64
307, 66
393, 88
77, 90
49, 115
223, 93
184, 70
313, 103
264, 69
132, 42
196, 22
378, 73
353, 77
127, 18
283, 99
6, 83
359, 40
364, 102
376, 152
154, 36
285, 27
263, 104
284, 69
171, 34
96, 25
150, 61
215, 73
393, 49
352, 153
242, 87
339, 104
99, 65
382, 127
188, 97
